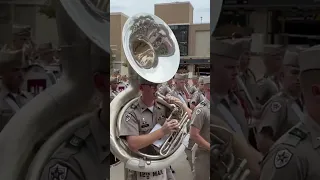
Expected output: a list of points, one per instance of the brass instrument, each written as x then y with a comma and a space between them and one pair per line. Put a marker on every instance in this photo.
153, 54
226, 166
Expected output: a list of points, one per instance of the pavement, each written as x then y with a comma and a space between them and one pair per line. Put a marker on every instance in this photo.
181, 167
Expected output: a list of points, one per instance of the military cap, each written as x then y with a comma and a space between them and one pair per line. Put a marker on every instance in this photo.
206, 79
200, 80
145, 82
230, 48
10, 59
274, 50
194, 77
21, 30
309, 59
114, 80
179, 76
291, 59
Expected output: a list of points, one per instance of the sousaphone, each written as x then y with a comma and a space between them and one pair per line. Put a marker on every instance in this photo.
153, 54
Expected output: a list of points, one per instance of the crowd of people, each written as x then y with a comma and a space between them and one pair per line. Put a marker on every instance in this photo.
272, 121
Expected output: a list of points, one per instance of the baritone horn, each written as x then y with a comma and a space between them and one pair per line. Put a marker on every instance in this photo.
153, 54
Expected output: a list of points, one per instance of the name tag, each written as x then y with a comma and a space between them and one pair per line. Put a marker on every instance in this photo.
153, 174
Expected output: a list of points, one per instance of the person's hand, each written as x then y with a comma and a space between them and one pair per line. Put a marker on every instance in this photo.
173, 100
170, 126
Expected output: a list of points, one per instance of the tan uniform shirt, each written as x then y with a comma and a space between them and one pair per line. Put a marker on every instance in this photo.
201, 120
180, 95
230, 110
192, 89
197, 97
113, 94
267, 87
279, 114
11, 103
84, 157
140, 120
164, 89
249, 81
296, 155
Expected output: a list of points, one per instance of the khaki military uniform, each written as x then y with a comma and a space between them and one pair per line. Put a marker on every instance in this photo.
229, 109
10, 103
164, 89
267, 87
179, 94
85, 156
192, 89
249, 80
140, 120
281, 113
201, 120
296, 155
197, 97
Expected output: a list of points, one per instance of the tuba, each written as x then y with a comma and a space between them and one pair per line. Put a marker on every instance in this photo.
153, 54
33, 134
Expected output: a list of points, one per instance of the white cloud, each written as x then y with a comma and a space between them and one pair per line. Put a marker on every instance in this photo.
132, 7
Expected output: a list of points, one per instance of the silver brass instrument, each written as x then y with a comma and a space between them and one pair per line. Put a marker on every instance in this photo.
36, 131
226, 166
153, 53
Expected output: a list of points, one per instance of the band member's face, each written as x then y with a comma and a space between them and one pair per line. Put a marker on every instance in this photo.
180, 83
244, 61
200, 86
291, 78
13, 78
226, 71
195, 81
149, 91
170, 81
114, 85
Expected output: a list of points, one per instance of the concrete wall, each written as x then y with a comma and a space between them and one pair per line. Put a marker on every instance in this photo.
173, 13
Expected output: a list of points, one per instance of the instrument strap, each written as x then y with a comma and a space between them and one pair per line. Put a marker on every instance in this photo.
230, 118
181, 98
298, 111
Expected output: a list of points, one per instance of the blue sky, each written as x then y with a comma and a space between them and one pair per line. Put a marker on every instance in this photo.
131, 7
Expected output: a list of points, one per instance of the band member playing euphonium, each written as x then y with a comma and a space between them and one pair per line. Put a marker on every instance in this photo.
198, 96
200, 134
192, 88
296, 155
179, 89
138, 122
270, 84
283, 110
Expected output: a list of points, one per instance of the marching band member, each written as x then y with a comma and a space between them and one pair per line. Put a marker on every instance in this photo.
138, 122
283, 110
200, 134
225, 106
113, 87
166, 87
198, 96
296, 155
12, 97
194, 87
270, 84
225, 61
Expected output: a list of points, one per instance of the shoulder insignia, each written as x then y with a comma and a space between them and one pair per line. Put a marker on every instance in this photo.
58, 172
76, 141
198, 111
203, 103
128, 117
79, 137
282, 158
134, 105
298, 133
275, 106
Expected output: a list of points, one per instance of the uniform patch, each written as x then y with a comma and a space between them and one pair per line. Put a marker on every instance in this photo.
128, 117
58, 172
198, 111
282, 158
275, 106
299, 133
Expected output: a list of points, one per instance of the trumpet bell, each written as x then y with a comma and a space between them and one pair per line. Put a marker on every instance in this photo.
151, 48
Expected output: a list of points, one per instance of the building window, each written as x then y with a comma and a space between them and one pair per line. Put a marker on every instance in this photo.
182, 34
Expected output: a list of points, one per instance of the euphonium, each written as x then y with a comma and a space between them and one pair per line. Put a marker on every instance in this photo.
224, 163
153, 53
